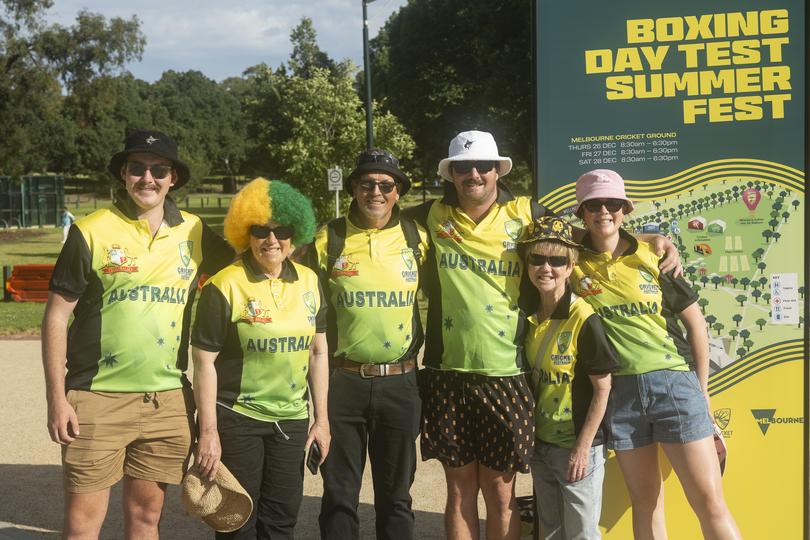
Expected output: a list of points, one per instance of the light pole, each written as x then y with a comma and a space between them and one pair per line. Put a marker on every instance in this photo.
367, 70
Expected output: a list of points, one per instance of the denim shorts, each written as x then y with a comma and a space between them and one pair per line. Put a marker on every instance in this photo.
663, 406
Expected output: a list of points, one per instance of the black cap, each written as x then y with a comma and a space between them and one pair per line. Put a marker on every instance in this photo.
378, 160
151, 142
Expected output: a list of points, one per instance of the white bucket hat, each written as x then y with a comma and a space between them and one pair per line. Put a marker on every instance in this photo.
473, 146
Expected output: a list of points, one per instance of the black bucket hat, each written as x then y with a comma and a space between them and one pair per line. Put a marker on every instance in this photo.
150, 141
378, 160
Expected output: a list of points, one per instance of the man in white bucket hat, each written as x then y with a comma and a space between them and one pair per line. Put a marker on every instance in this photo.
477, 407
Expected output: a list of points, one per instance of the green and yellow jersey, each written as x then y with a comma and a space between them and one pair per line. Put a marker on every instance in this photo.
638, 306
130, 327
372, 291
472, 278
262, 329
563, 351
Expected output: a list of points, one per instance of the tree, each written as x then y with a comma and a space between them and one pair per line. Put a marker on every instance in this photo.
744, 282
748, 344
737, 318
774, 223
756, 293
39, 65
741, 352
776, 236
710, 319
801, 291
763, 281
733, 333
762, 266
766, 297
307, 56
795, 203
718, 327
745, 333
760, 323
421, 52
716, 280
757, 254
702, 302
767, 234
785, 216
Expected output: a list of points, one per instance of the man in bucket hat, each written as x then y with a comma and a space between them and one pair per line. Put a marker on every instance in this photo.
128, 275
477, 407
369, 265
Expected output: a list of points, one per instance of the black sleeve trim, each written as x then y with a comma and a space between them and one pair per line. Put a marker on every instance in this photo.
676, 292
595, 351
213, 318
73, 269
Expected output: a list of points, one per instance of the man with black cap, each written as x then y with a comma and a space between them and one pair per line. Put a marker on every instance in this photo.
369, 265
128, 275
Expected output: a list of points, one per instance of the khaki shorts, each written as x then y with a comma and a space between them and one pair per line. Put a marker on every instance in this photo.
145, 436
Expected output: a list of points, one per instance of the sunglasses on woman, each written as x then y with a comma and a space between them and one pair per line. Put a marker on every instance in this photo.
555, 261
463, 167
282, 232
159, 172
612, 205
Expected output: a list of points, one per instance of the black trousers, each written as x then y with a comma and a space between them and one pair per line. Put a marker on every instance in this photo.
380, 416
268, 460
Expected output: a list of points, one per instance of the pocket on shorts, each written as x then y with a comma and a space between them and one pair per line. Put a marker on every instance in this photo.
692, 381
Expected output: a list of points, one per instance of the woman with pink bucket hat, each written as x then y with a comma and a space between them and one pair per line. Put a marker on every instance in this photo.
656, 398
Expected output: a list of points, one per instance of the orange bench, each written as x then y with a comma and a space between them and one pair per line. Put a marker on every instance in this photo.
29, 282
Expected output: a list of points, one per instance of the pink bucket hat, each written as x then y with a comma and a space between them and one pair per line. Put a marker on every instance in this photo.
601, 184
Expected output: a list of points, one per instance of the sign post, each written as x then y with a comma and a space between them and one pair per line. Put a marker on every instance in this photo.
334, 177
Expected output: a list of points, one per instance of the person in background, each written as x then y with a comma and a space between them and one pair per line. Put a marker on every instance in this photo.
258, 344
67, 221
656, 399
571, 361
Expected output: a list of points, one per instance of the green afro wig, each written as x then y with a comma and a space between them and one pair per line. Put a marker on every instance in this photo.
262, 200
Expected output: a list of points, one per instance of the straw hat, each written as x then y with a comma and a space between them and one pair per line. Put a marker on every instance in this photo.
223, 504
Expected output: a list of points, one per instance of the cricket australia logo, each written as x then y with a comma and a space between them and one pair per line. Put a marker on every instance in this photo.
649, 287
588, 287
117, 259
563, 341
448, 230
186, 248
253, 313
722, 417
410, 273
513, 228
344, 266
309, 302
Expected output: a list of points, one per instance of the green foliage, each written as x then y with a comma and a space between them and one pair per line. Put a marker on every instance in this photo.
469, 63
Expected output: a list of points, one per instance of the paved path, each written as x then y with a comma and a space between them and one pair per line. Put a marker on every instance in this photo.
30, 476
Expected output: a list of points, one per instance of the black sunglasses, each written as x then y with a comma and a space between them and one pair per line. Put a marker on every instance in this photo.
282, 232
612, 205
369, 185
159, 172
555, 261
376, 155
463, 167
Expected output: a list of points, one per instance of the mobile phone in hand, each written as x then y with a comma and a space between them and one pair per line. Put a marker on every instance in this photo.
314, 457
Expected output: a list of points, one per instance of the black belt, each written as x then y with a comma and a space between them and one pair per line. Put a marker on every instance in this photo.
368, 371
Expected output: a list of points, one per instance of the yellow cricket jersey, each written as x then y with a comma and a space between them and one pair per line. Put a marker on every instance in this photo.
130, 327
638, 306
262, 329
563, 351
372, 291
472, 278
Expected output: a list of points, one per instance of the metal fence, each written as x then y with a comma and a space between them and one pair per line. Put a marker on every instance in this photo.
33, 201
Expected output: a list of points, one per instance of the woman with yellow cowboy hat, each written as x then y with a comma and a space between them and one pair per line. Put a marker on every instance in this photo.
572, 361
258, 343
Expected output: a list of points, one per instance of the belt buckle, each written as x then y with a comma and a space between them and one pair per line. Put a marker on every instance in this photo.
363, 374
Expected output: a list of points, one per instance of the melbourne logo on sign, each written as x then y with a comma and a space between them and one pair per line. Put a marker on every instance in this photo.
186, 248
117, 259
765, 418
722, 417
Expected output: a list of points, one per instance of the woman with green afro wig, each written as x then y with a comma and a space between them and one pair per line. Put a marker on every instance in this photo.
263, 200
261, 359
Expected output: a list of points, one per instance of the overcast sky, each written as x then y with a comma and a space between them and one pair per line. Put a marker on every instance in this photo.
222, 38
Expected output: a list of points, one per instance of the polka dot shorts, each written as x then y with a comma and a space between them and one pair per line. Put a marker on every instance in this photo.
469, 417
